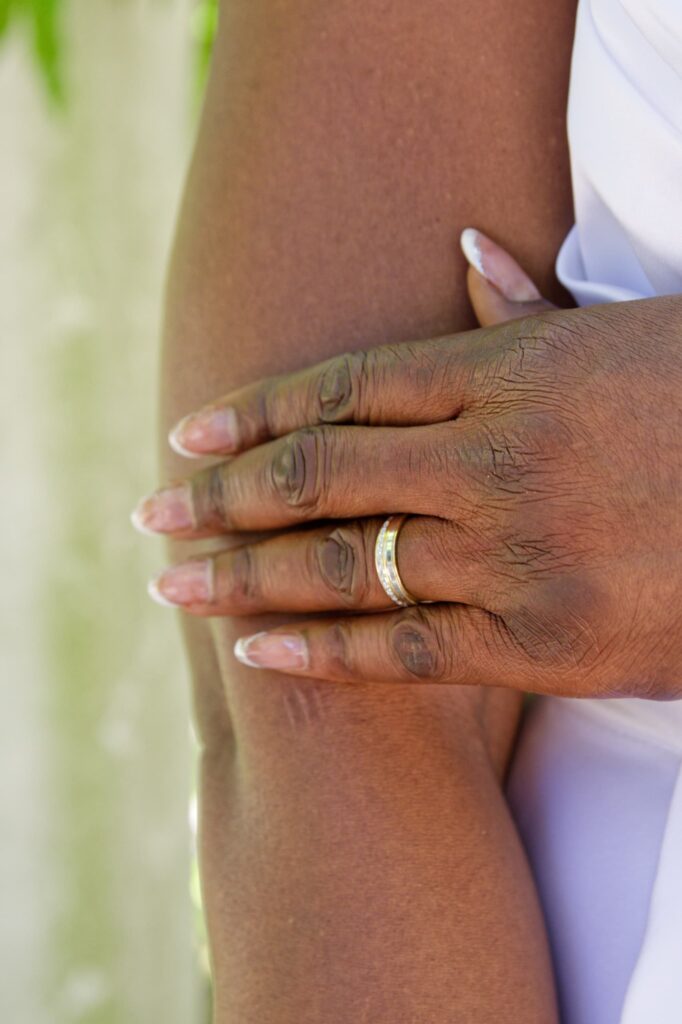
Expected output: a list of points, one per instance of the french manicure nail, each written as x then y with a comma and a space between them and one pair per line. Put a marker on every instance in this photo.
156, 595
272, 650
183, 584
498, 267
168, 510
211, 431
471, 249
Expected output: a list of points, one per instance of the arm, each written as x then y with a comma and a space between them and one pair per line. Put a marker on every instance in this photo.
358, 860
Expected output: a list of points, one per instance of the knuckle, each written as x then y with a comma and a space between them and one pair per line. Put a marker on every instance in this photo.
338, 647
560, 335
211, 497
536, 638
525, 358
300, 468
557, 628
339, 387
533, 556
506, 457
535, 336
544, 538
519, 456
268, 412
440, 370
500, 457
398, 371
546, 347
244, 587
417, 647
341, 565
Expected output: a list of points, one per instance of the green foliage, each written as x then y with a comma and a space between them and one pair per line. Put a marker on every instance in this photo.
204, 25
41, 18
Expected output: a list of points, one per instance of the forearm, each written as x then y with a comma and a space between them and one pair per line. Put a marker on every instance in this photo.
358, 858
357, 854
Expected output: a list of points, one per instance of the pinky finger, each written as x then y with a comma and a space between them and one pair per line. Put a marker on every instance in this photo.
446, 644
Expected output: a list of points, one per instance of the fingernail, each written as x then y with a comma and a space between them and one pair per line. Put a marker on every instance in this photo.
211, 431
469, 242
498, 267
186, 583
168, 510
272, 650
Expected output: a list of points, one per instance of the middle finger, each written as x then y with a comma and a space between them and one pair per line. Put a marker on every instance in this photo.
319, 473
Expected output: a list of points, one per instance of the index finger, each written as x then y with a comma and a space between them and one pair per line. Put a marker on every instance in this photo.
392, 385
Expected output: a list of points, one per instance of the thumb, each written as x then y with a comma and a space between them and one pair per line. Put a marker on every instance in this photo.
498, 288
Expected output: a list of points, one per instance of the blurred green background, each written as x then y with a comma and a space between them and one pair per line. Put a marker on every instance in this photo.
98, 105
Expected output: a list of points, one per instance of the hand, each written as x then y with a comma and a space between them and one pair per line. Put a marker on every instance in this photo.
540, 461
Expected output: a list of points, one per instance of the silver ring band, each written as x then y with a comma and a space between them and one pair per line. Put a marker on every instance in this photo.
386, 562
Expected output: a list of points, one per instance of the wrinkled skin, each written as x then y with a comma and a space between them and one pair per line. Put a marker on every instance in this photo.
543, 471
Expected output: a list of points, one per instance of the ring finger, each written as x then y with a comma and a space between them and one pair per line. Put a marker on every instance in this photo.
328, 568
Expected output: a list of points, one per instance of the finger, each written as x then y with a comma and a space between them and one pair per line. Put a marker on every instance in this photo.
321, 473
499, 288
326, 569
446, 644
409, 383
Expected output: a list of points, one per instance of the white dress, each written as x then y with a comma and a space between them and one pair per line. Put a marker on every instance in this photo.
596, 786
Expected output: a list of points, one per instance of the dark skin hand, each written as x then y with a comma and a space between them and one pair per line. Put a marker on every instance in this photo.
540, 461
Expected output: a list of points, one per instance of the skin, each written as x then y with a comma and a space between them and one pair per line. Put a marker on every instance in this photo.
541, 463
358, 858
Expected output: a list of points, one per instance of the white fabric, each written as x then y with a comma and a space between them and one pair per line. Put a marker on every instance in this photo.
655, 991
593, 802
625, 130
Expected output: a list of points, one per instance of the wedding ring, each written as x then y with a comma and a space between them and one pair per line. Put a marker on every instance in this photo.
386, 562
